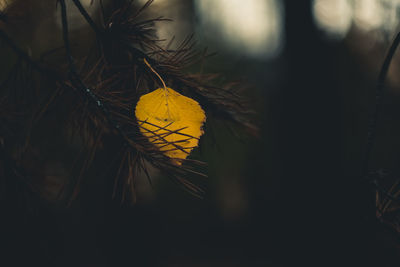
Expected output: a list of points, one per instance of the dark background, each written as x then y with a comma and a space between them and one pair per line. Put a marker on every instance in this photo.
292, 197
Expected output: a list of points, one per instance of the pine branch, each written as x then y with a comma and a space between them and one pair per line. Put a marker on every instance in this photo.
76, 80
85, 90
117, 79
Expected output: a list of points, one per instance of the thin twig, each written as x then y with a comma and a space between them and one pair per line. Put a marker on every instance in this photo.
76, 80
23, 55
101, 36
372, 126
86, 15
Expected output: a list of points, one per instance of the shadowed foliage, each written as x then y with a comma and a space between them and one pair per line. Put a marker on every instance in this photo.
90, 98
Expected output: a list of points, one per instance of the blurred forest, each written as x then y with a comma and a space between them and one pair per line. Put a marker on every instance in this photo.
293, 195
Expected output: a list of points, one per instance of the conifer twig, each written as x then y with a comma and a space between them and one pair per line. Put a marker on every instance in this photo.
86, 15
75, 79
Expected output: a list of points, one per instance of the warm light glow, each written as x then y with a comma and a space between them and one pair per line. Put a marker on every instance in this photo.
390, 16
333, 16
180, 27
4, 4
252, 27
368, 14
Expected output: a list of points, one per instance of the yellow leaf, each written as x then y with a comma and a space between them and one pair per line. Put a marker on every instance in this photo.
171, 121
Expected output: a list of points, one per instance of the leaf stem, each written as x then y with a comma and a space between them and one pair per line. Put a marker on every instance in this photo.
156, 73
